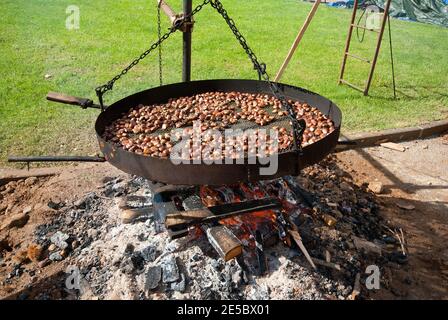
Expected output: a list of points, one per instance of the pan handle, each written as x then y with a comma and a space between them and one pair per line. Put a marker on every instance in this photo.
84, 103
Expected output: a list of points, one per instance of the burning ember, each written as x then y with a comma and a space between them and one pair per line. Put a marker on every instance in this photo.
238, 220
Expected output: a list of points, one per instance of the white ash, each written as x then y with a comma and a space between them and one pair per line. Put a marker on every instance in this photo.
116, 259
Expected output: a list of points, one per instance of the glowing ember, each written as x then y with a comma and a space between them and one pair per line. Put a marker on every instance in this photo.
244, 226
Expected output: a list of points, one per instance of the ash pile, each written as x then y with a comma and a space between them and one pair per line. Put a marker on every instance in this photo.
113, 245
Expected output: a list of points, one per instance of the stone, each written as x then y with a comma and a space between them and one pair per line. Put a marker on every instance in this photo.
17, 220
59, 239
80, 204
138, 261
27, 210
405, 205
131, 215
129, 248
376, 187
126, 266
56, 256
152, 278
170, 270
55, 205
48, 76
64, 253
368, 246
149, 254
30, 181
92, 233
344, 186
179, 286
329, 220
52, 247
75, 244
237, 277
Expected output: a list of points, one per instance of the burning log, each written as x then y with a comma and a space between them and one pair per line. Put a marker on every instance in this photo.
224, 242
184, 219
220, 237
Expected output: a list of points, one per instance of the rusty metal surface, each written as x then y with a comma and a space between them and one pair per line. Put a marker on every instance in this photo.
163, 170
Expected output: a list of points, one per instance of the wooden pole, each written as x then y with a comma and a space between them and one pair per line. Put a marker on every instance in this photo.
378, 46
297, 40
347, 43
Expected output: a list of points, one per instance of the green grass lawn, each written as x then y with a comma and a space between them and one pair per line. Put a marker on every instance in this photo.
34, 42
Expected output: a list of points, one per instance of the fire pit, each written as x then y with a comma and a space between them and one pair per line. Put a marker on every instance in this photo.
249, 216
134, 135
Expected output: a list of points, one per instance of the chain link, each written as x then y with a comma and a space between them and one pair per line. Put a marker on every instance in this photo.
159, 35
101, 90
297, 125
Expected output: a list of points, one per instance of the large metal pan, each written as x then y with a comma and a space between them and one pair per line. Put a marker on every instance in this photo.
163, 170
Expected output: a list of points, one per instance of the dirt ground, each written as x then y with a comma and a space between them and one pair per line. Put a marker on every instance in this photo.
416, 178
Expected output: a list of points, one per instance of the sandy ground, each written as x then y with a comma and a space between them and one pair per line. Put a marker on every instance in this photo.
417, 177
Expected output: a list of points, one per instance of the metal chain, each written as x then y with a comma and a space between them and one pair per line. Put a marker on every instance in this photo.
159, 34
101, 90
297, 125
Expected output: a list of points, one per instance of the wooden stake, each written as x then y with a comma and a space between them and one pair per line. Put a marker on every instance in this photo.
298, 240
297, 40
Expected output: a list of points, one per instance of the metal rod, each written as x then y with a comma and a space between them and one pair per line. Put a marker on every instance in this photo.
57, 159
364, 28
186, 67
351, 85
378, 46
391, 56
357, 57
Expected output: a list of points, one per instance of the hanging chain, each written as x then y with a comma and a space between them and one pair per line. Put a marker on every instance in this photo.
101, 90
159, 34
297, 125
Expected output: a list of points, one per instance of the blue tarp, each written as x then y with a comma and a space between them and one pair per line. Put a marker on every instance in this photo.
427, 11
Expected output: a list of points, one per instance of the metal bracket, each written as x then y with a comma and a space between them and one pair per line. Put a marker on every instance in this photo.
28, 160
176, 19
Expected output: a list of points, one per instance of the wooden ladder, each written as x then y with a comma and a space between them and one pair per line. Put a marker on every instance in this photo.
372, 63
